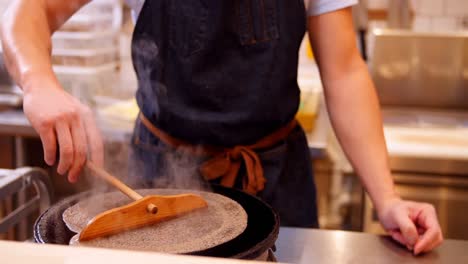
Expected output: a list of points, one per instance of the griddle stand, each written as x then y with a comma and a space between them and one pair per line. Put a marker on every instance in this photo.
16, 182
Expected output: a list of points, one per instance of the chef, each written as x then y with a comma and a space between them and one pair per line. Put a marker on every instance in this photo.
217, 80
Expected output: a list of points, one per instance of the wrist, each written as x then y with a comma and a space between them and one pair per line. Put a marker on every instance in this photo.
383, 200
32, 80
381, 188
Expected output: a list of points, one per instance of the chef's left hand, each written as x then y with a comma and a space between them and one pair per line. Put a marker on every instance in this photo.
412, 224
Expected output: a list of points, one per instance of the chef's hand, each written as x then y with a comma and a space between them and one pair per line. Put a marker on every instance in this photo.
412, 224
63, 123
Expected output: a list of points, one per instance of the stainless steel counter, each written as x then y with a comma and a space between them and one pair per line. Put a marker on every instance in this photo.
14, 123
325, 246
294, 245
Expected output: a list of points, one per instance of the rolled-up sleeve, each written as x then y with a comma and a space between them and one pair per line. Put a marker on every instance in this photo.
318, 7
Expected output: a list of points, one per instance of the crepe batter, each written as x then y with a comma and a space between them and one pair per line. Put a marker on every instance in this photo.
223, 220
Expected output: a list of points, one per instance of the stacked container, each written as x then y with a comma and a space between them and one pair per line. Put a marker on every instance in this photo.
85, 50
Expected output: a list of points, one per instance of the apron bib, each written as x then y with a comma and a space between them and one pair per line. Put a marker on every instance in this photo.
223, 73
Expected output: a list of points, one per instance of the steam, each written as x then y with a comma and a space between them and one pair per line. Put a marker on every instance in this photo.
149, 64
181, 172
166, 167
154, 165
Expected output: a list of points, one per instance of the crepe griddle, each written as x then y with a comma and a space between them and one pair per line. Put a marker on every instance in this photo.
259, 236
222, 220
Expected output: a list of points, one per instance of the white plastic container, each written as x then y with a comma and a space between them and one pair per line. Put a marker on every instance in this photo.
90, 22
97, 15
87, 82
85, 40
85, 57
100, 7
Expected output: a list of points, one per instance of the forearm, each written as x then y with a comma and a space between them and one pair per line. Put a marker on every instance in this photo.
352, 101
66, 126
26, 31
354, 111
355, 115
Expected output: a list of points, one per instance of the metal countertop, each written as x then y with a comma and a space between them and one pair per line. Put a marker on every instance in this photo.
15, 123
301, 246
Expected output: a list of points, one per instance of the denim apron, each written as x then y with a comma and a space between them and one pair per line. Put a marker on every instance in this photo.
223, 73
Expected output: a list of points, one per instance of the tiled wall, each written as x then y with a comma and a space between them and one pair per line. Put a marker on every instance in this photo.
376, 4
440, 15
432, 15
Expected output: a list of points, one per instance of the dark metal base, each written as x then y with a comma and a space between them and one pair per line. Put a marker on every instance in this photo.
259, 236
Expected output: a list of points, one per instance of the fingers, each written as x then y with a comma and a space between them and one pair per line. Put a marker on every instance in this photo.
64, 126
429, 240
76, 135
66, 147
407, 228
396, 235
414, 225
432, 236
79, 150
95, 143
49, 143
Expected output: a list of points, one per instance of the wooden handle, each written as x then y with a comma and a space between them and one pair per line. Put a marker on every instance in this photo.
113, 181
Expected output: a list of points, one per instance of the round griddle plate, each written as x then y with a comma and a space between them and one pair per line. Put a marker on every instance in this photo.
259, 236
223, 220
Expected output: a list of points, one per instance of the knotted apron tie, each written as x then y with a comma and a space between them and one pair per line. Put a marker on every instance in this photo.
225, 163
226, 166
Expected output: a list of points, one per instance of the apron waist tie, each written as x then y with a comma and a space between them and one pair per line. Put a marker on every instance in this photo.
225, 163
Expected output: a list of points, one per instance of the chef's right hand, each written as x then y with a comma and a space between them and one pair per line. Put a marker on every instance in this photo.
64, 124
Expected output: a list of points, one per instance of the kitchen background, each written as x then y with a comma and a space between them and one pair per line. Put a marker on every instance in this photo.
417, 52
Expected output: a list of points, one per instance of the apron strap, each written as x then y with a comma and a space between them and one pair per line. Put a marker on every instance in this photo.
225, 163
